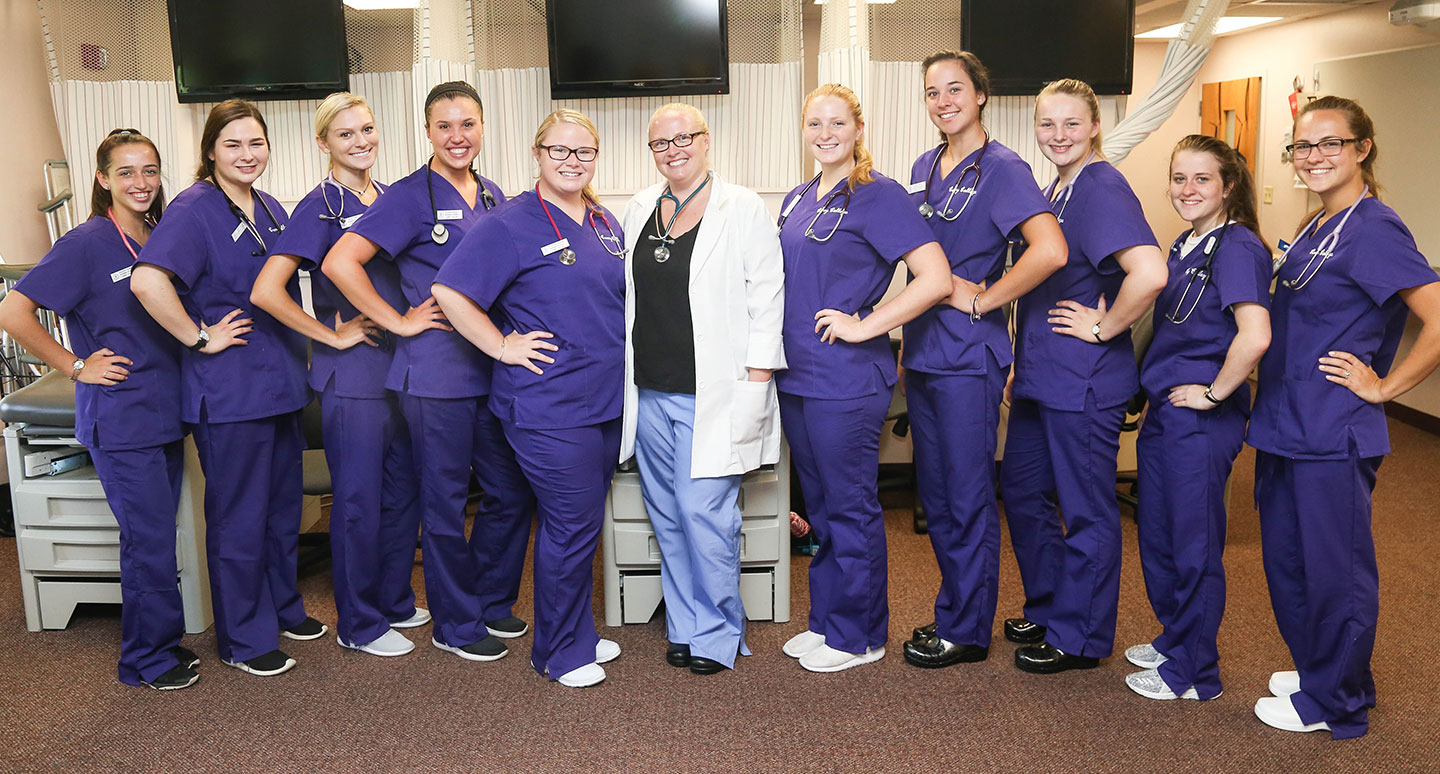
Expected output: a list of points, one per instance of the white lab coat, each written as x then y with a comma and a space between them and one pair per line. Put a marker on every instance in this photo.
736, 308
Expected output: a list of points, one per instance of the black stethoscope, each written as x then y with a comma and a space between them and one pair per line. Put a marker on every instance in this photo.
1199, 273
439, 234
339, 215
567, 254
1321, 253
824, 208
245, 221
927, 210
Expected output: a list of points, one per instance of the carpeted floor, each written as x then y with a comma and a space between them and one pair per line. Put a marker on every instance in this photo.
344, 711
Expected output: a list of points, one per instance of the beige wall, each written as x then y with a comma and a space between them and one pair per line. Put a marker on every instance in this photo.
27, 122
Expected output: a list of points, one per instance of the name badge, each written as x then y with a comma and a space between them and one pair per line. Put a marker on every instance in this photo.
123, 274
348, 222
555, 247
1284, 245
235, 235
449, 215
915, 188
791, 205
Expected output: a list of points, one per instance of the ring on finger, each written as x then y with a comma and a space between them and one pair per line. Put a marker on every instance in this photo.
1347, 374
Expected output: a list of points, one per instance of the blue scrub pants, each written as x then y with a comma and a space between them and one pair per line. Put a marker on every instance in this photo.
697, 524
570, 470
954, 420
1319, 558
467, 583
1071, 570
1185, 458
142, 487
835, 447
253, 492
375, 513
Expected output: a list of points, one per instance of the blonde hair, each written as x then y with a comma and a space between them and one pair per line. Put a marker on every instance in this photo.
568, 116
1080, 90
692, 112
331, 107
864, 162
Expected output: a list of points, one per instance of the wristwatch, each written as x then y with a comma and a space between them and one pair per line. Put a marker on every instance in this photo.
201, 342
75, 369
1095, 331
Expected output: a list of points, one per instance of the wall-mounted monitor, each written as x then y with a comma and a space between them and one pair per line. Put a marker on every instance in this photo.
1026, 44
258, 49
637, 48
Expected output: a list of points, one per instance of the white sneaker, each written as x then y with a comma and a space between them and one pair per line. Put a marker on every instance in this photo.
420, 618
1152, 686
1278, 712
391, 643
1145, 656
803, 643
828, 659
606, 651
1285, 683
584, 677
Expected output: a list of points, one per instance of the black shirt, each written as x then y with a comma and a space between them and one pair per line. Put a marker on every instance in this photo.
664, 333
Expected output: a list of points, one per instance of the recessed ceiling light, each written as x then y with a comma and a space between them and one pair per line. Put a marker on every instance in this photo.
1226, 24
383, 5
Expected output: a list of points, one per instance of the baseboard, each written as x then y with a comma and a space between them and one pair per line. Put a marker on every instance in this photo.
1413, 417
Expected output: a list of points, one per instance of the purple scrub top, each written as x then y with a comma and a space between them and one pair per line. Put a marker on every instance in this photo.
436, 363
1100, 216
942, 339
201, 241
1352, 305
1193, 351
500, 266
85, 278
316, 225
850, 271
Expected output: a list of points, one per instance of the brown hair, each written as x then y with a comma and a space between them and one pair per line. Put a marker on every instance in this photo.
220, 117
864, 162
1240, 205
453, 90
1080, 90
101, 199
568, 116
979, 76
1361, 126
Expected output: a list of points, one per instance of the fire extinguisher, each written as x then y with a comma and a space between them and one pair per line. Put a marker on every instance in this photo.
1295, 96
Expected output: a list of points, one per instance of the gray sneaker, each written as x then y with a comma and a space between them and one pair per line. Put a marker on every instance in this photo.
1145, 656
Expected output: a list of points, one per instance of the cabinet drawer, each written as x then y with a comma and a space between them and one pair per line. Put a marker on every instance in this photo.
71, 550
760, 495
760, 542
624, 501
635, 545
76, 509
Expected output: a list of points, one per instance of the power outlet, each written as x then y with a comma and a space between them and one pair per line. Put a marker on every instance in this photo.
1269, 193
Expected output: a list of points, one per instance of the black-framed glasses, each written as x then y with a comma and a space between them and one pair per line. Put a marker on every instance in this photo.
562, 152
1329, 146
681, 140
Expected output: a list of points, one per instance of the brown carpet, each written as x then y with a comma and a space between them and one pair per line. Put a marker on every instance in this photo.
345, 711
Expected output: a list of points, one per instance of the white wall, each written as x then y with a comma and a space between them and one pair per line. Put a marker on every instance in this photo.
27, 122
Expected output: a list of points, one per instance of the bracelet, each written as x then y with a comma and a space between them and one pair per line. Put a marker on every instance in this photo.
975, 309
1210, 397
503, 341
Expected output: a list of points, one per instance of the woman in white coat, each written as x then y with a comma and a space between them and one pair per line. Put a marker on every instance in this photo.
703, 309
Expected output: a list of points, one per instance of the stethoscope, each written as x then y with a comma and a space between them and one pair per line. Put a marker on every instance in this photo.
245, 219
824, 208
662, 252
439, 234
927, 210
1320, 254
339, 215
1067, 190
1199, 273
567, 254
124, 237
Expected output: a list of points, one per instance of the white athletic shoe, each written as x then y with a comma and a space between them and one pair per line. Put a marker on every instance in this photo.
584, 677
1145, 656
420, 618
1278, 712
1285, 683
1152, 686
606, 651
391, 643
828, 659
803, 643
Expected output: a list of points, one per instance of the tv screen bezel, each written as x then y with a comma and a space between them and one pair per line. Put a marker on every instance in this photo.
654, 87
259, 91
1029, 87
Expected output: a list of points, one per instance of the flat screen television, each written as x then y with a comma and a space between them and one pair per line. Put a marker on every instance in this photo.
637, 48
1026, 44
258, 49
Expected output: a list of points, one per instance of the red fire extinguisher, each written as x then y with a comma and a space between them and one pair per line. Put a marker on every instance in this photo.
1295, 96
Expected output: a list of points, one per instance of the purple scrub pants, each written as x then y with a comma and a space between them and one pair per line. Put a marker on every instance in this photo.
955, 420
1185, 457
835, 447
253, 494
142, 487
467, 583
1071, 570
570, 470
375, 514
1319, 558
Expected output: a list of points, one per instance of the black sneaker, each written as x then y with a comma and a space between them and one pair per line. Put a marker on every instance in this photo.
507, 628
308, 629
488, 649
273, 663
179, 676
185, 657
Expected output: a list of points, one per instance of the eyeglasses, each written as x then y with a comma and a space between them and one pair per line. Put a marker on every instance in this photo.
1328, 147
561, 152
681, 140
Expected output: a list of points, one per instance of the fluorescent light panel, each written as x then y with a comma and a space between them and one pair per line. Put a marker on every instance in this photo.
1226, 24
383, 5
